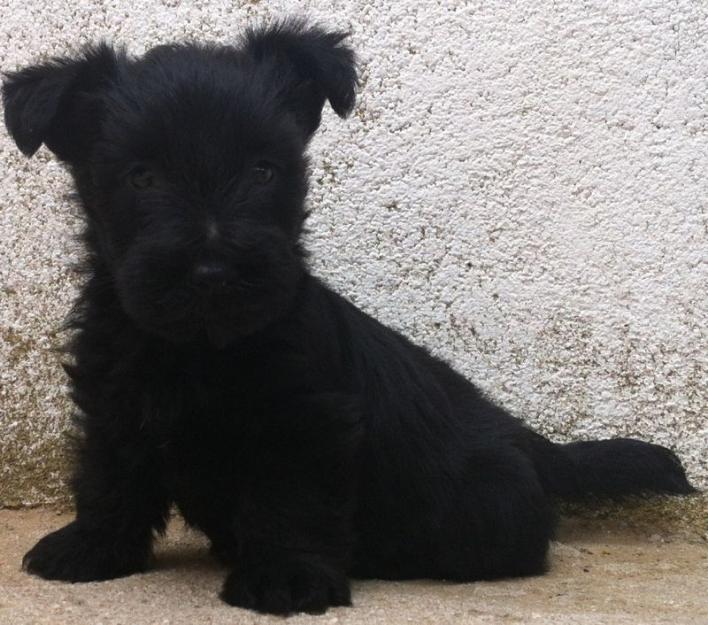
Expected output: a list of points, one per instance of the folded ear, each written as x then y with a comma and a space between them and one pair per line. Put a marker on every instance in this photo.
55, 102
313, 65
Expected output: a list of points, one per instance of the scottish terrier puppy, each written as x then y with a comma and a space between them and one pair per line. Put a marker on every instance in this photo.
212, 371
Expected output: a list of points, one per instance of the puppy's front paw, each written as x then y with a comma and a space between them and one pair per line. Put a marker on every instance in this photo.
287, 587
71, 555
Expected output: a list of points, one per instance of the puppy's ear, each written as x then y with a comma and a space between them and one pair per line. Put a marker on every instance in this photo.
55, 102
312, 64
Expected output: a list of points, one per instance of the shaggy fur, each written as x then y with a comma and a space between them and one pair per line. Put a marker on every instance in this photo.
210, 370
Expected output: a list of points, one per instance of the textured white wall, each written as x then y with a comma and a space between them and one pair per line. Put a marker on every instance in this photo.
522, 188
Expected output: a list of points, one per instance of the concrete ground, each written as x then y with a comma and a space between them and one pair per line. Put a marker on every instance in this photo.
608, 570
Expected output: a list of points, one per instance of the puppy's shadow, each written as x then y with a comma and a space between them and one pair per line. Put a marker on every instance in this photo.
188, 553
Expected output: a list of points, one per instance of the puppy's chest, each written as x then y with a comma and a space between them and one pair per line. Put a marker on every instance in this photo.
200, 429
211, 426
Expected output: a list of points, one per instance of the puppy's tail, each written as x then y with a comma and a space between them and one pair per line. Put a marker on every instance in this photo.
614, 468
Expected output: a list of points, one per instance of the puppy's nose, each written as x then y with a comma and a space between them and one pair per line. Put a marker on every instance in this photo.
211, 275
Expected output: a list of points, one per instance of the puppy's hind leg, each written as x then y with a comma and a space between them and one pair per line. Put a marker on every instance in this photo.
498, 522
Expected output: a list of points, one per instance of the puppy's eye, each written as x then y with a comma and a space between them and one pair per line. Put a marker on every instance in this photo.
141, 178
262, 172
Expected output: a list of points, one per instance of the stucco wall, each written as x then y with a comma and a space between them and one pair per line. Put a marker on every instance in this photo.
522, 188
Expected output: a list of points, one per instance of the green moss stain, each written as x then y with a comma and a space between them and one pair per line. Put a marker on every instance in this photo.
34, 472
34, 416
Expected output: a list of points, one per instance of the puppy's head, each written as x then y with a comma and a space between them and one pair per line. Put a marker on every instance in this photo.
190, 163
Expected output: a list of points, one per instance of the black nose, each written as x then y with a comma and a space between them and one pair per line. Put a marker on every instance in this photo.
211, 275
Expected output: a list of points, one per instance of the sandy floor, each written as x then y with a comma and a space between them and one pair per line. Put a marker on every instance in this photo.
602, 573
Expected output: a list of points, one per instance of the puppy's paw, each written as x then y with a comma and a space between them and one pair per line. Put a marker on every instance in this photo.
71, 555
287, 587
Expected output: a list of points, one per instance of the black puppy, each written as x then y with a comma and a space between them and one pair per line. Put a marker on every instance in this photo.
211, 370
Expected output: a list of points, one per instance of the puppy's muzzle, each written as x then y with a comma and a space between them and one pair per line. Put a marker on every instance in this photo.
212, 276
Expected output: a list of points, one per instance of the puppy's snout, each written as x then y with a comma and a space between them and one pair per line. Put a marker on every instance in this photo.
212, 275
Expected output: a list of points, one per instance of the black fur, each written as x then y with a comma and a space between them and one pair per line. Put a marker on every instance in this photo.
211, 370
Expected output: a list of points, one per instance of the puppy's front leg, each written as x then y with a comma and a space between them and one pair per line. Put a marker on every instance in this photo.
292, 529
119, 502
